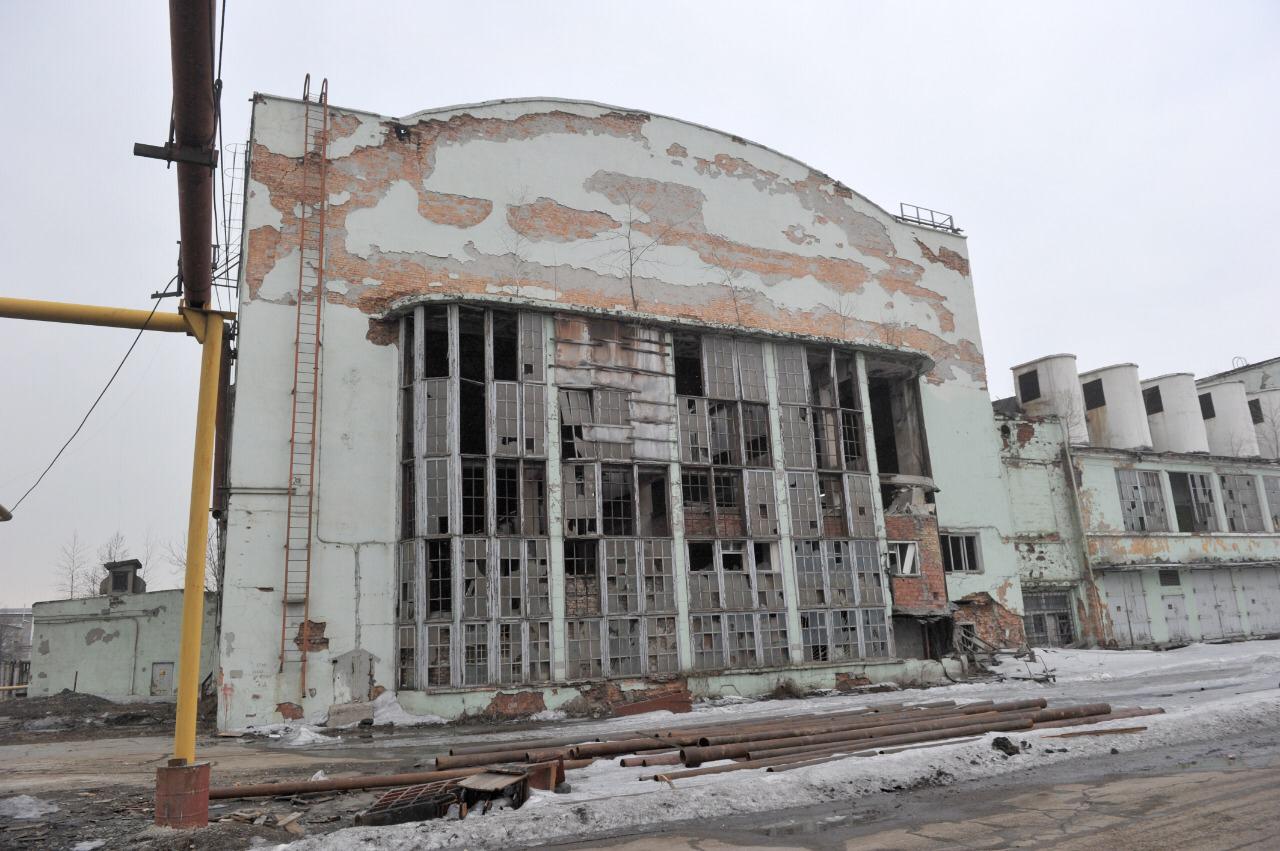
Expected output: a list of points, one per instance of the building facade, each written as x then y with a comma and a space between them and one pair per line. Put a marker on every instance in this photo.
544, 400
1159, 524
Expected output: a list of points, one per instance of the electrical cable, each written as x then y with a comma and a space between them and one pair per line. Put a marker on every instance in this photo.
85, 419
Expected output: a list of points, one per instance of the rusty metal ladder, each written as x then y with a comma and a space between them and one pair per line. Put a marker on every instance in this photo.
295, 621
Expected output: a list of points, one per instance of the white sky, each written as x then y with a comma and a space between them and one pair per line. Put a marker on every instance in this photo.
1114, 166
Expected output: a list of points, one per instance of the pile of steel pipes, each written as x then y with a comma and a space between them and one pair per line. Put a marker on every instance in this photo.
775, 743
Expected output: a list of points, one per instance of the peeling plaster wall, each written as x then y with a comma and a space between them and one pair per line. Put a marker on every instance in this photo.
558, 205
107, 645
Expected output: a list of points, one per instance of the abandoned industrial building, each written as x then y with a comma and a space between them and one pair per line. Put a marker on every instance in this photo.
540, 402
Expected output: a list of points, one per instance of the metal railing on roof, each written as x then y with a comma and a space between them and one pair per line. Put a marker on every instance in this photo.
916, 215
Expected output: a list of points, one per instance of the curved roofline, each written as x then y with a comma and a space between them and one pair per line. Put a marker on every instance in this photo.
1219, 382
1167, 375
1096, 370
414, 116
1042, 359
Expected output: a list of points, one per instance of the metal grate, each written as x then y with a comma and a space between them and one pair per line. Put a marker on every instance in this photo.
913, 214
414, 803
295, 623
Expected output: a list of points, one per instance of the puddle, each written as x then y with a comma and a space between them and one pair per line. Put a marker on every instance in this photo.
804, 826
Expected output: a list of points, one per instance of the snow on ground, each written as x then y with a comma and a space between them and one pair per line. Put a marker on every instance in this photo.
387, 710
25, 807
1207, 690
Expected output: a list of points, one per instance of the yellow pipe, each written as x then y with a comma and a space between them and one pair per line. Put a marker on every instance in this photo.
184, 736
87, 314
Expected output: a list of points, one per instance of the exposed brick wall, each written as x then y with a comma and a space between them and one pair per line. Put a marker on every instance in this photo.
994, 623
928, 591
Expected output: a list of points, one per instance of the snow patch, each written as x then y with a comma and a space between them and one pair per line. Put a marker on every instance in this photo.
387, 710
548, 715
25, 807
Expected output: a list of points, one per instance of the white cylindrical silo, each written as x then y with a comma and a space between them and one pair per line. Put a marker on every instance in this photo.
1264, 412
1049, 386
1173, 413
1225, 410
1113, 409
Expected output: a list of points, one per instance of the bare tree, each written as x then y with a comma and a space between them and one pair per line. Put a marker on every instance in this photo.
1269, 429
74, 570
728, 271
175, 553
635, 243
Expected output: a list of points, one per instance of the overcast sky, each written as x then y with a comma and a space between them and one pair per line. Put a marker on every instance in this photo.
1113, 164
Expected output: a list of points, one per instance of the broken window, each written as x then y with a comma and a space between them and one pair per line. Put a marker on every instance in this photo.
539, 651
875, 634
708, 642
773, 639
831, 495
510, 580
804, 505
532, 347
751, 371
506, 345
738, 593
575, 424
769, 593
624, 647
581, 578
439, 579
408, 499
538, 577
439, 665
475, 654
662, 658
659, 577
582, 640
652, 491
506, 498
704, 584
535, 419
1193, 506
408, 574
408, 374
688, 363
506, 418
533, 499
579, 485
473, 497
510, 652
435, 496
407, 667
617, 506
866, 564
844, 635
612, 429
741, 630
1047, 618
826, 450
755, 436
621, 595
863, 506
720, 380
435, 417
840, 573
1142, 501
435, 341
797, 437
904, 558
897, 422
853, 440
1271, 484
762, 506
475, 578
695, 490
814, 637
695, 441
1240, 499
960, 552
793, 382
727, 491
725, 439
810, 573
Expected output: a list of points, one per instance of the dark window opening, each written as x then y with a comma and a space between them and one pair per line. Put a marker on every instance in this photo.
1029, 385
688, 357
1206, 406
1093, 395
406, 351
534, 498
654, 517
702, 556
120, 580
473, 421
1255, 411
471, 357
847, 382
435, 342
1152, 401
407, 500
960, 553
1193, 502
1170, 579
821, 382
506, 346
755, 432
439, 578
406, 423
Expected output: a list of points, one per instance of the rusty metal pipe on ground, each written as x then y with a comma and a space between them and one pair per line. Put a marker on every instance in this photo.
342, 784
694, 756
443, 763
817, 726
615, 748
1114, 715
1012, 725
525, 744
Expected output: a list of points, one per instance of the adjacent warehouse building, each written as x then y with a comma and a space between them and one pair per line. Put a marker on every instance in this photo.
543, 400
1145, 511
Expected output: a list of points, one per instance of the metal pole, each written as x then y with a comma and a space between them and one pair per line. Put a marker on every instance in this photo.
184, 737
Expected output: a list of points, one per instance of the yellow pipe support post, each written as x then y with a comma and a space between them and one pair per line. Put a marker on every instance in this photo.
184, 736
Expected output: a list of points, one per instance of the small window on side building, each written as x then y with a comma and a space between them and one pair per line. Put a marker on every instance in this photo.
1029, 385
1093, 395
1255, 411
1206, 406
1152, 401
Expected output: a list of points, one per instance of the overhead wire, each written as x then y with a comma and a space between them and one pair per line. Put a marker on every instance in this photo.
89, 412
